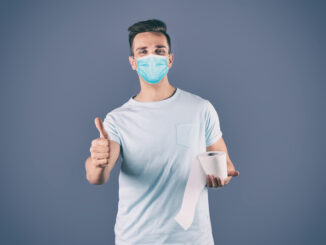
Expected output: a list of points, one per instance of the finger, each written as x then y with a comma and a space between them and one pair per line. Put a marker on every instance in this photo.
213, 180
102, 163
233, 173
100, 128
100, 155
208, 180
220, 181
100, 149
100, 141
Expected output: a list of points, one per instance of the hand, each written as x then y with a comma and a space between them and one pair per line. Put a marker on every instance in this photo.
100, 148
215, 181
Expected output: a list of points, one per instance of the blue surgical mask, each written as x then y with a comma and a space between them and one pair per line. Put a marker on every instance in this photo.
152, 68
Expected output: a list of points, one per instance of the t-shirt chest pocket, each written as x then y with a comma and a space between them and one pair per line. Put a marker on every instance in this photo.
184, 134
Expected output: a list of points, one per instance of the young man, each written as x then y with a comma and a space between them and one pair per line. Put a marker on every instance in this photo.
158, 133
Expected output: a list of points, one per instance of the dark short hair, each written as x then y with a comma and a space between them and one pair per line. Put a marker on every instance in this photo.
152, 25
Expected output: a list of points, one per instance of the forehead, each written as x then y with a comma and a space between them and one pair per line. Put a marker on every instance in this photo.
149, 39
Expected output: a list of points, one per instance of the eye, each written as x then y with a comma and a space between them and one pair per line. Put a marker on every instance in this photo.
143, 52
160, 51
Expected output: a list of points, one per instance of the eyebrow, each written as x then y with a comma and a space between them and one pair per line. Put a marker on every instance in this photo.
157, 46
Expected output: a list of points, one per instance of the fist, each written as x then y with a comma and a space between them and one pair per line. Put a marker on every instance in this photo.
100, 148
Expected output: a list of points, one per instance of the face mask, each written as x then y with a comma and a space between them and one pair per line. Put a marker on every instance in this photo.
152, 68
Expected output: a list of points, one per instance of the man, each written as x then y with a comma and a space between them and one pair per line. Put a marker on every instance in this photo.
158, 133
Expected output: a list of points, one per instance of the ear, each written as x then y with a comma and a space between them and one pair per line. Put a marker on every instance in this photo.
133, 62
170, 60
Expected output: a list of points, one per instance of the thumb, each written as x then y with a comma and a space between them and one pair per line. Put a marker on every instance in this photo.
100, 128
233, 173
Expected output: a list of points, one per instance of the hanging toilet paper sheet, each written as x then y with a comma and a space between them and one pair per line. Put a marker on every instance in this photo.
211, 162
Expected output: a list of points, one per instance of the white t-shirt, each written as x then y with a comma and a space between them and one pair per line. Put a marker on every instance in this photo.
158, 142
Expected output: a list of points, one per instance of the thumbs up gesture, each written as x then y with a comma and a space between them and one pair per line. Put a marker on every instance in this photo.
100, 148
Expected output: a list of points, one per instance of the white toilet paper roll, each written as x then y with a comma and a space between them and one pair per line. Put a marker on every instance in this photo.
213, 163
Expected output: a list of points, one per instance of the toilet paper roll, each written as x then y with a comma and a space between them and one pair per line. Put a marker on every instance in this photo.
214, 163
196, 182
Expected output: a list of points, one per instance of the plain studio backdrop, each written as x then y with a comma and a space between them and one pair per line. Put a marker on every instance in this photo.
260, 63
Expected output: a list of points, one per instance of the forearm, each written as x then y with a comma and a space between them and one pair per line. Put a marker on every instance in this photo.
230, 165
96, 175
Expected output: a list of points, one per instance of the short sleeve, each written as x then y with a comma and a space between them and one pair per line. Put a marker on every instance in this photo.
212, 124
111, 128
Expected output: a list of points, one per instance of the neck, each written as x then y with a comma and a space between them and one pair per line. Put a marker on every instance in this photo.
154, 92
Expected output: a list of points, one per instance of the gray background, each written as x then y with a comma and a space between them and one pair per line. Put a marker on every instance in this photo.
260, 63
